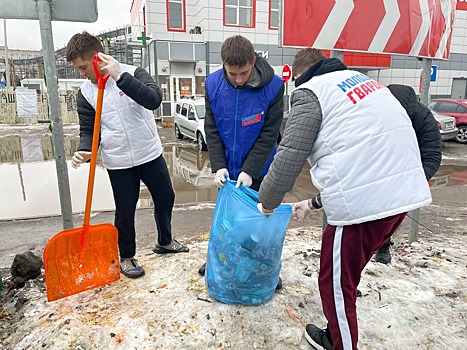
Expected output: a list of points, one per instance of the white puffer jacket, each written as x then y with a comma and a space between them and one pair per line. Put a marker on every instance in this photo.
366, 165
128, 130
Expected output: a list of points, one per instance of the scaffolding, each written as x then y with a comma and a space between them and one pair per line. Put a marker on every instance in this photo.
117, 43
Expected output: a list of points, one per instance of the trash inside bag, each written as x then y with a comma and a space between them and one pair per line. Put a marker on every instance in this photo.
245, 247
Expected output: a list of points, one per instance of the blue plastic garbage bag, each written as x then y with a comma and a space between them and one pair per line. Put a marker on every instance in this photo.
245, 247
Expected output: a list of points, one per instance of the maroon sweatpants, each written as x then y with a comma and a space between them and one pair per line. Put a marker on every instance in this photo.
345, 251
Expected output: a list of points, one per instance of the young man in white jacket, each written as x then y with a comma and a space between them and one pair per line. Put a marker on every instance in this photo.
366, 164
130, 145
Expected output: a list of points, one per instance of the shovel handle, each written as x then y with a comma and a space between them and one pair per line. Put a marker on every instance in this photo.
101, 81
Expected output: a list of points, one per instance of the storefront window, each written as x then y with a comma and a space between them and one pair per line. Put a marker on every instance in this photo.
199, 81
164, 81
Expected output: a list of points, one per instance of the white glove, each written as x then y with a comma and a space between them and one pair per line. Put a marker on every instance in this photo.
79, 158
263, 210
301, 210
219, 179
244, 179
111, 65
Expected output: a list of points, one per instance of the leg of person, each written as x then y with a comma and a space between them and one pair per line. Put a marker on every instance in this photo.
256, 183
202, 270
383, 255
345, 252
125, 187
155, 176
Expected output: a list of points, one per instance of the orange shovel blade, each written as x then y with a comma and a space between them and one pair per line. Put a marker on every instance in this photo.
76, 261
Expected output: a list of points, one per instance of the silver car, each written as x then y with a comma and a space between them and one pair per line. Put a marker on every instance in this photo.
446, 126
189, 120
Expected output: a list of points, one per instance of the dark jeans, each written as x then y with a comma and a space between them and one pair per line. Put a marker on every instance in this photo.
256, 183
126, 186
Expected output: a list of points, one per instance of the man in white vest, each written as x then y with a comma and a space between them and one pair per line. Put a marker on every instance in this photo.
129, 143
365, 162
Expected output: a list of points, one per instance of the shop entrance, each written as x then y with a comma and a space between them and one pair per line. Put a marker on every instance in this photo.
182, 86
173, 87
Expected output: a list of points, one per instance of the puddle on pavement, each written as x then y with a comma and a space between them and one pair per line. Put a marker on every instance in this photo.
29, 179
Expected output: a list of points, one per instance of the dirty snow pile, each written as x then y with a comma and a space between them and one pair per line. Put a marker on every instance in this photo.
417, 302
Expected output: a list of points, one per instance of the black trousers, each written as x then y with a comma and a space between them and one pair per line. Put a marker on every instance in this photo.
126, 186
257, 183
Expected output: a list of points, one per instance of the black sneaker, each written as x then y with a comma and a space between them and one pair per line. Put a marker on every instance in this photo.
131, 268
172, 247
318, 338
279, 285
383, 255
202, 270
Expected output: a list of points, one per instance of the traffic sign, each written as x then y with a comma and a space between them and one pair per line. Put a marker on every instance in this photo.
413, 27
286, 73
434, 73
63, 10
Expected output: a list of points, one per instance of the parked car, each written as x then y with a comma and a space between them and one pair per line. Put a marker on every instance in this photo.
455, 108
189, 120
446, 126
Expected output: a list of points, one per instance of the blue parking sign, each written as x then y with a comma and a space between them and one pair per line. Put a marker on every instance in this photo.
434, 73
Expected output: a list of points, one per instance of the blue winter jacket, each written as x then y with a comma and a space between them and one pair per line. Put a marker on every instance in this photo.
239, 115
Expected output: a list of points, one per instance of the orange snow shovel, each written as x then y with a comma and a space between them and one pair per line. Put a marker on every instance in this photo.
83, 258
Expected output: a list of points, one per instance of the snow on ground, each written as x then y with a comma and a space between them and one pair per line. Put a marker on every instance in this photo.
417, 302
198, 206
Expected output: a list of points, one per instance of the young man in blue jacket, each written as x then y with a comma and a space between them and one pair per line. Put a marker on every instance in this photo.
244, 112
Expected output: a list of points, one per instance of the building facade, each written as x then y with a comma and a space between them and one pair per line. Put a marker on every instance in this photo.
182, 41
22, 64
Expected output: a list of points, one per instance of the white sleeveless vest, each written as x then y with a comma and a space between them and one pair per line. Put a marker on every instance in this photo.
365, 161
128, 131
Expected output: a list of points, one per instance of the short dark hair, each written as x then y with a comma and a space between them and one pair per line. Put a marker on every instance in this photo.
237, 51
305, 58
83, 45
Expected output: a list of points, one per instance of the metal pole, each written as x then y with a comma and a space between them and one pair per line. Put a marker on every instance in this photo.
45, 22
426, 73
7, 67
337, 54
413, 233
126, 44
